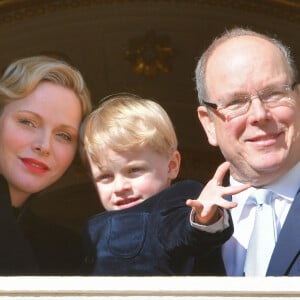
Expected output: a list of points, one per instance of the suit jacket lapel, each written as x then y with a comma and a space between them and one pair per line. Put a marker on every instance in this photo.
288, 243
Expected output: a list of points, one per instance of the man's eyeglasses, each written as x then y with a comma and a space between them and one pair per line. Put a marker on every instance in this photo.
273, 96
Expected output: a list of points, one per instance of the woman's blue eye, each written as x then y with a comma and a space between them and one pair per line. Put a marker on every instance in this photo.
65, 136
27, 122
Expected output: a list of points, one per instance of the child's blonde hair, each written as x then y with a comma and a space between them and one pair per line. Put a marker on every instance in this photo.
126, 122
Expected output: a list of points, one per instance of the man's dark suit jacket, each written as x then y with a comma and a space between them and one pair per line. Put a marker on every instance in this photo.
153, 238
285, 260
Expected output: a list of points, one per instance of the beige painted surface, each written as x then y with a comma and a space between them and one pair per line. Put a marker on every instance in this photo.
149, 287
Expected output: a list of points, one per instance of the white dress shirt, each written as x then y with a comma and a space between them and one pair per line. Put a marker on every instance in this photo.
284, 191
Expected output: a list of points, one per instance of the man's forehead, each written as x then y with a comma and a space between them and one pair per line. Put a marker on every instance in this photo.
242, 58
239, 44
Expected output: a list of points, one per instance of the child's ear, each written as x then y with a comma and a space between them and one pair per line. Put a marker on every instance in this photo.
174, 165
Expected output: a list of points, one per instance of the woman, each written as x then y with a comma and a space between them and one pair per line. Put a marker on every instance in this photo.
42, 103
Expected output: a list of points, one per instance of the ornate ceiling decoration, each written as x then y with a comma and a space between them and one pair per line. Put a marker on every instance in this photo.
150, 54
15, 10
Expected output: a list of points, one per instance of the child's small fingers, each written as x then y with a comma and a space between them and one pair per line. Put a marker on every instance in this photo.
232, 190
226, 204
194, 203
220, 172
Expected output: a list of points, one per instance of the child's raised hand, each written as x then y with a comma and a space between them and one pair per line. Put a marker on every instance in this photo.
212, 197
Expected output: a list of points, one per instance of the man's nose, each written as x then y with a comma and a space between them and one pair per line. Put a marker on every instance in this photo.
257, 111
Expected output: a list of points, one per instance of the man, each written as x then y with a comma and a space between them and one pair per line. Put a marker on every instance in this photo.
250, 108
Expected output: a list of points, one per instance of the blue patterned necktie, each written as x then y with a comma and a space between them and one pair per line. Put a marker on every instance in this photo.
263, 237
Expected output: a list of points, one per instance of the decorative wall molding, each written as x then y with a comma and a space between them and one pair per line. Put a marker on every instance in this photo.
17, 10
150, 54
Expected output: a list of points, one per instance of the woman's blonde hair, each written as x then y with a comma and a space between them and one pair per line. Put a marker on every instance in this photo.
22, 76
126, 122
